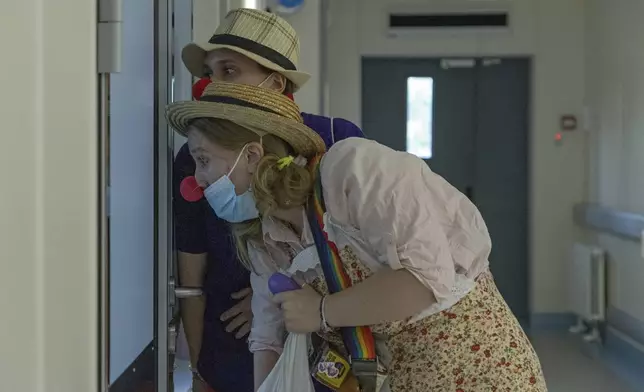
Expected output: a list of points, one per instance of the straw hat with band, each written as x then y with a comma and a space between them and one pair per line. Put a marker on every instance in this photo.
260, 110
261, 36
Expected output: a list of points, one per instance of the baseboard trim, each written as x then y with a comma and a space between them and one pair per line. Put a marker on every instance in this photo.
616, 318
140, 375
551, 321
623, 349
626, 324
623, 357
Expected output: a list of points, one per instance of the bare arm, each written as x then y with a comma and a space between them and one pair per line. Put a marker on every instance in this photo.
264, 362
386, 296
192, 268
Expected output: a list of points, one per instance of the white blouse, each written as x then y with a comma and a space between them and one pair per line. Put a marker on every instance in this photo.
394, 212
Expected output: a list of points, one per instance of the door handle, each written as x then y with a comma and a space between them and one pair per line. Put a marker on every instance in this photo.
182, 292
469, 192
187, 292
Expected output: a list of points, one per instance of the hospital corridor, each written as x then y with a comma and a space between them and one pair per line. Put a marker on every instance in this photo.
322, 195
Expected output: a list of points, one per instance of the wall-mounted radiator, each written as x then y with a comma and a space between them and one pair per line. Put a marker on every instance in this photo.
587, 289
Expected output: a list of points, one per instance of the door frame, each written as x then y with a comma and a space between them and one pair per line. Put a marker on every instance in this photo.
163, 190
174, 82
529, 59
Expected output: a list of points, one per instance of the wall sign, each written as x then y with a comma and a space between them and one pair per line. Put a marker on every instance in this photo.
568, 123
286, 6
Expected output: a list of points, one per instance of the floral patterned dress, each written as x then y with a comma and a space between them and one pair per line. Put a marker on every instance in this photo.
476, 345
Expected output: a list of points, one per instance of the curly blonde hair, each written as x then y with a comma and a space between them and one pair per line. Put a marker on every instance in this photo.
272, 188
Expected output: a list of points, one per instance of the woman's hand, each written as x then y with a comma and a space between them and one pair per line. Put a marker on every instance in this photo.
300, 309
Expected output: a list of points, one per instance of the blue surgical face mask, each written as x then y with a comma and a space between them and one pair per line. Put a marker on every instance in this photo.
226, 203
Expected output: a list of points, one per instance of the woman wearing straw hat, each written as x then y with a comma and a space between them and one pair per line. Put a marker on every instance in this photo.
254, 48
392, 257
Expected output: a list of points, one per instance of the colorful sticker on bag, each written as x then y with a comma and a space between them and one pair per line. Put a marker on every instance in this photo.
331, 369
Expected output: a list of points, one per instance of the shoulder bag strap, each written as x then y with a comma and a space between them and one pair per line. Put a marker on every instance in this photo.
359, 341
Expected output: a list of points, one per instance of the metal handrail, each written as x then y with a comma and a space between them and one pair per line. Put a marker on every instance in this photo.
627, 225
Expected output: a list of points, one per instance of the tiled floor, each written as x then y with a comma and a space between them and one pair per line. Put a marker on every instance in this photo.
182, 376
568, 369
565, 365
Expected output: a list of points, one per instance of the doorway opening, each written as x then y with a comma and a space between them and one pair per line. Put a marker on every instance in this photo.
468, 118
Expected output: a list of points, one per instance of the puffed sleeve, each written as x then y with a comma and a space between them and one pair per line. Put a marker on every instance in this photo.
267, 330
398, 207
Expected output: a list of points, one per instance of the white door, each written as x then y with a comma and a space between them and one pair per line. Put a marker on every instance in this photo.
135, 83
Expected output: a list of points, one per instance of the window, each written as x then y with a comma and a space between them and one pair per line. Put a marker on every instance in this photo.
420, 103
251, 4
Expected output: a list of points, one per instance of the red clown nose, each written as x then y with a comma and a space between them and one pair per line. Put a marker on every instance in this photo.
199, 87
190, 190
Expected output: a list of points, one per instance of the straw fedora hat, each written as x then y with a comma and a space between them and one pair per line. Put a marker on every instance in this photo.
261, 110
261, 36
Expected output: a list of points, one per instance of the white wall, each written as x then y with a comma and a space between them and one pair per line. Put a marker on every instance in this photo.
205, 18
615, 96
48, 210
307, 24
552, 32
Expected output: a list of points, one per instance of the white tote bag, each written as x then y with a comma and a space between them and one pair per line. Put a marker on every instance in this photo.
291, 372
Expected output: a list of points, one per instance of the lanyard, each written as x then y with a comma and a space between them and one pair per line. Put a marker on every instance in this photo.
358, 341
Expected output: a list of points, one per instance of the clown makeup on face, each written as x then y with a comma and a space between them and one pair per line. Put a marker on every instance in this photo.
214, 161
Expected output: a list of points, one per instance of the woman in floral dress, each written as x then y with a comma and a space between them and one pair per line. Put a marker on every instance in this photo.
415, 249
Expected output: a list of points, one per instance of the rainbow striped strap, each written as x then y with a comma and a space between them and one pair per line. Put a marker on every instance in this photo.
358, 341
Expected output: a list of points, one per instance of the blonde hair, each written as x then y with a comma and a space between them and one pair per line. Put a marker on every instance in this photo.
273, 188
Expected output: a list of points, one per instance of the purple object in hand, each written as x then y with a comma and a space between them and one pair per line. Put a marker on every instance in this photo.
279, 283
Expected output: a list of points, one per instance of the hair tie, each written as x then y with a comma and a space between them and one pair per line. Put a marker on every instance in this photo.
300, 161
284, 162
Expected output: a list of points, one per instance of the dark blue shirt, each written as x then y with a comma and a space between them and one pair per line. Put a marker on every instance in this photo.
225, 362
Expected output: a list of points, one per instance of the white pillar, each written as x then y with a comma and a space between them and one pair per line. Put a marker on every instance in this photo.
206, 15
306, 22
48, 201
